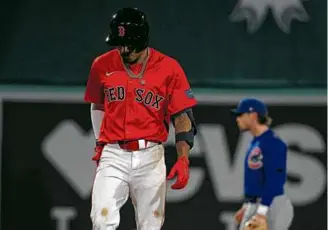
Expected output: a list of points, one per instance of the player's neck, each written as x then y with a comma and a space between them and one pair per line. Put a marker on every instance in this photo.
143, 56
257, 130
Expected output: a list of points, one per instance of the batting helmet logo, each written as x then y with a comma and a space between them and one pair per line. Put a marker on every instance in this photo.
255, 158
121, 31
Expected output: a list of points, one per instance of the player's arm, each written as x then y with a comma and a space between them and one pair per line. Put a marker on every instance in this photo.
97, 115
185, 129
94, 94
275, 172
181, 101
180, 106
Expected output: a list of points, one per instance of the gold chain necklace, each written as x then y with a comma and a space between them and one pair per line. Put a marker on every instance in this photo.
141, 73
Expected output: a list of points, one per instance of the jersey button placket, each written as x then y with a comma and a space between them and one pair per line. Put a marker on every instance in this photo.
130, 104
128, 107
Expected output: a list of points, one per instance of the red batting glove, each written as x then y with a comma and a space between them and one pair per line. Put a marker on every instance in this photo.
181, 168
98, 150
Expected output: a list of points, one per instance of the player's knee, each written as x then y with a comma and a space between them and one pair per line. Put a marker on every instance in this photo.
104, 219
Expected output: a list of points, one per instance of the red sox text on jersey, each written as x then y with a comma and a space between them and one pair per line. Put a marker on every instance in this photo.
147, 98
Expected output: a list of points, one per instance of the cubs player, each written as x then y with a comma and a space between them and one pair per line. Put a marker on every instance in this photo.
135, 91
266, 206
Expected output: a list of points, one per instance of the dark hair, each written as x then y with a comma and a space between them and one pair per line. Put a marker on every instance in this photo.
265, 120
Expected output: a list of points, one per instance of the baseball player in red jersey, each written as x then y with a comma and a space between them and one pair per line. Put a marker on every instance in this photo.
135, 91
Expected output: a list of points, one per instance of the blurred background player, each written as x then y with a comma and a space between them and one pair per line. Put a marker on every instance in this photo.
266, 206
135, 91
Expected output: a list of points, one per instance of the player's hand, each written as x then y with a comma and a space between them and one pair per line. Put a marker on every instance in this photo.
181, 169
239, 215
257, 222
98, 150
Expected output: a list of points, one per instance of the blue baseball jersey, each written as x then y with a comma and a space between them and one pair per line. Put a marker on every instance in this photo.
265, 168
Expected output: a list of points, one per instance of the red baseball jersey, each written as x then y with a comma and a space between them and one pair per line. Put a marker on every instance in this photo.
138, 108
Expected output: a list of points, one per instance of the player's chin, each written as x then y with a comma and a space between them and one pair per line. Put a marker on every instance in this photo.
126, 59
129, 60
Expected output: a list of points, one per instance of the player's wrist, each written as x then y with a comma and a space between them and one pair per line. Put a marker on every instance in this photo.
262, 209
184, 159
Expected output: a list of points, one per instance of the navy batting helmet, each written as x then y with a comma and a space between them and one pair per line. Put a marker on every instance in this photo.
129, 27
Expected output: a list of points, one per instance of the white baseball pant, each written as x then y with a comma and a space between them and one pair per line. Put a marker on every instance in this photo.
140, 174
280, 213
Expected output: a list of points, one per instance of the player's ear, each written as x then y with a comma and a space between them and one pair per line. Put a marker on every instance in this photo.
264, 120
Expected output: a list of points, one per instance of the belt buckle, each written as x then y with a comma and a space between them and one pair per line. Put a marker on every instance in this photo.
125, 144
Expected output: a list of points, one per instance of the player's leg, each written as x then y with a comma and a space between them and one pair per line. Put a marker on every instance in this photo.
110, 189
148, 187
280, 214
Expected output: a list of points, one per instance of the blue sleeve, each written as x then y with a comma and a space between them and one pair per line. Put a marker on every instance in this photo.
275, 163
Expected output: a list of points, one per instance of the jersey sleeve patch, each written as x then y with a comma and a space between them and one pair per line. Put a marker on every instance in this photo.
189, 93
